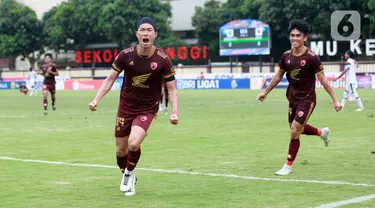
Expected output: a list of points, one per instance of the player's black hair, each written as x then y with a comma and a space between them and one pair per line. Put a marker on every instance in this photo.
49, 55
31, 68
146, 20
350, 53
300, 25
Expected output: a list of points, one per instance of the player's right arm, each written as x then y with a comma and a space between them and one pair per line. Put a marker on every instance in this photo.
347, 67
275, 80
319, 71
117, 67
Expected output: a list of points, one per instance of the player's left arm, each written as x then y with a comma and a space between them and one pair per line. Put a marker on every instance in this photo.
342, 73
323, 80
319, 71
172, 93
55, 73
170, 82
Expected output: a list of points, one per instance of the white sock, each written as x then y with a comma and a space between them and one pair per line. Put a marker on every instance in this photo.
343, 101
359, 102
128, 172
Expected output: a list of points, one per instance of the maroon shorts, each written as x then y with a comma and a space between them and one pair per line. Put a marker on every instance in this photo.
124, 122
301, 111
50, 87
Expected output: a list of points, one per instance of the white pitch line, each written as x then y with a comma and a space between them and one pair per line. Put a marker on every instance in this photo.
346, 202
192, 173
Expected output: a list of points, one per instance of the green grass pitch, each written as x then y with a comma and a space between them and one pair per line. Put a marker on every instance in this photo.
224, 132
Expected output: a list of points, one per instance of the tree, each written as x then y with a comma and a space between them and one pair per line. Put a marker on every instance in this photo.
76, 20
213, 15
240, 9
119, 19
20, 30
207, 21
105, 21
317, 13
370, 18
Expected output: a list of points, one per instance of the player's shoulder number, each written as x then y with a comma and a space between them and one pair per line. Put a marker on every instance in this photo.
311, 53
161, 54
128, 50
288, 51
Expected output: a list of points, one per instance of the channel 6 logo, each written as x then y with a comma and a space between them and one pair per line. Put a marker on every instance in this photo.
345, 25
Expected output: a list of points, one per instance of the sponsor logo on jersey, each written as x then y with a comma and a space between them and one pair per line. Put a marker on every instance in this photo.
139, 80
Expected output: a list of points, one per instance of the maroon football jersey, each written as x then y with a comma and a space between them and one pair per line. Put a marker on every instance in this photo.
141, 86
300, 72
49, 78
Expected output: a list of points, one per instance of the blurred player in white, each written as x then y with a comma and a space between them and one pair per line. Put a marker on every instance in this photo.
351, 80
32, 81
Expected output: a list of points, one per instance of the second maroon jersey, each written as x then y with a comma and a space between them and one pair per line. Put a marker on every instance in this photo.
141, 87
49, 78
300, 72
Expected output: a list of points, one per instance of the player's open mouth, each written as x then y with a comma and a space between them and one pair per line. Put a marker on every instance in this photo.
145, 40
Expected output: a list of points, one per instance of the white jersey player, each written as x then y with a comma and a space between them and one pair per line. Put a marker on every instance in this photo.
32, 81
351, 80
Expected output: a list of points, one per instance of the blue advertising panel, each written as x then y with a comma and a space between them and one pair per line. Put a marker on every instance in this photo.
11, 85
213, 84
282, 84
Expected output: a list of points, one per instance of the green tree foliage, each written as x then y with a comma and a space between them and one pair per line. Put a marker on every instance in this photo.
76, 20
207, 21
317, 13
213, 15
278, 14
20, 30
105, 21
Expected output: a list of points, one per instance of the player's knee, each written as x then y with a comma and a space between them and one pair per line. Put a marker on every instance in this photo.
133, 145
294, 132
121, 151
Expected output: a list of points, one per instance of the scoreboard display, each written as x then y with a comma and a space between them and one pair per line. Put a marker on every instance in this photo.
245, 37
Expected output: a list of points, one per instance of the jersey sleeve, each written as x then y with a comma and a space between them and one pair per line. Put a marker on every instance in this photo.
168, 70
119, 63
282, 64
54, 68
347, 65
316, 64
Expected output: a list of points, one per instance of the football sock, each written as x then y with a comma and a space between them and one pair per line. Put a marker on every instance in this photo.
45, 103
133, 158
345, 98
359, 102
122, 162
53, 101
311, 130
166, 100
293, 150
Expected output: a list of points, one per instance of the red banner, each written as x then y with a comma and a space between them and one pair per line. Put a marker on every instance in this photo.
82, 84
107, 56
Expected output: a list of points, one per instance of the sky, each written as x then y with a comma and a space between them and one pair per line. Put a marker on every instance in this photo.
41, 6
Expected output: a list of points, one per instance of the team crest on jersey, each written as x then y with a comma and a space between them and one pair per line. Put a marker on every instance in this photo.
303, 62
300, 113
288, 62
154, 65
143, 118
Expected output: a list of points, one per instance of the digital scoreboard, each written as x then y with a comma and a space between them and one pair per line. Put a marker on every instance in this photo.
245, 37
